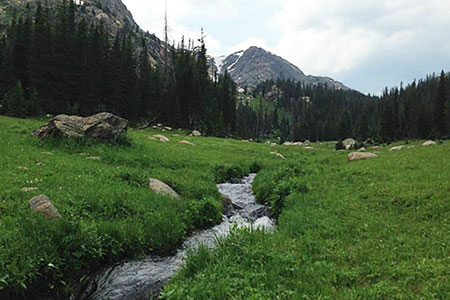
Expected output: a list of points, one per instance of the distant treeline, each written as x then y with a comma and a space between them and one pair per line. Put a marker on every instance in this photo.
52, 62
318, 113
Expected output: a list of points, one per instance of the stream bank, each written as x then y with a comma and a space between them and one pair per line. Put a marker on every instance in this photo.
141, 279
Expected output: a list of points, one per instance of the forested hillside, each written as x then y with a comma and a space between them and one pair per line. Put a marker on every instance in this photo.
418, 111
61, 65
53, 60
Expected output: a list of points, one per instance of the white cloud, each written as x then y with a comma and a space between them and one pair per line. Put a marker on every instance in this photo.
341, 38
252, 41
364, 43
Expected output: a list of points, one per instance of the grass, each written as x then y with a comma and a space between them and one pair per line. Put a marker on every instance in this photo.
109, 212
376, 229
369, 229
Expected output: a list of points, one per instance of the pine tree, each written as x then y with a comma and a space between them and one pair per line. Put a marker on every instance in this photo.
439, 108
14, 100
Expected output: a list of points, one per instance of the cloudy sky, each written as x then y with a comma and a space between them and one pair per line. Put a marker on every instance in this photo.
367, 44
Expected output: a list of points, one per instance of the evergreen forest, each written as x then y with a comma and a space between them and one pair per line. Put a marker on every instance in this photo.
53, 62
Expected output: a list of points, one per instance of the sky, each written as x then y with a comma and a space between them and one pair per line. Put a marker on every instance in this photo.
366, 44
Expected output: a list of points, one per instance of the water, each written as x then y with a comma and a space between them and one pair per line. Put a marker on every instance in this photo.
142, 279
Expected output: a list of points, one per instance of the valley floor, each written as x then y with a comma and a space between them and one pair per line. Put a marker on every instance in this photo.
373, 229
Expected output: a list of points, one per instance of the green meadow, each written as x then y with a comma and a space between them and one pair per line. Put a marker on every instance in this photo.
377, 228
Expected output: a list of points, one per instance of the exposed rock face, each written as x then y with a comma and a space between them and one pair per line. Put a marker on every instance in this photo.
255, 65
160, 187
429, 143
113, 14
104, 127
42, 204
360, 155
349, 143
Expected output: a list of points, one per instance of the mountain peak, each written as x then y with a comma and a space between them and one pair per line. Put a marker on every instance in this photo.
250, 67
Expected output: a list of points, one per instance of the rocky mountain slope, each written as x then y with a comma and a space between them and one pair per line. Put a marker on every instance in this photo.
113, 14
255, 65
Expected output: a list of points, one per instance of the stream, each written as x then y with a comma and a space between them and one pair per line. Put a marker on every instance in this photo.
143, 279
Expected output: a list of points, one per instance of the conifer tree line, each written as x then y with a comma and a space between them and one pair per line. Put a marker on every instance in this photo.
52, 62
318, 113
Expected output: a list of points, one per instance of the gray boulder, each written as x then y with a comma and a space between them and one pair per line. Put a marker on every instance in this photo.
349, 143
41, 204
429, 143
104, 127
354, 156
160, 187
227, 205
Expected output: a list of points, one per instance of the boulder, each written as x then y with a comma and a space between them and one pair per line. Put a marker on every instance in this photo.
42, 204
186, 143
396, 148
307, 142
429, 143
227, 205
161, 138
368, 142
168, 128
160, 187
349, 143
97, 158
362, 149
278, 154
353, 156
28, 189
309, 148
293, 144
196, 133
260, 212
104, 127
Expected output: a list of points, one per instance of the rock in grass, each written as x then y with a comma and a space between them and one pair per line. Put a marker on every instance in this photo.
353, 156
278, 154
186, 143
362, 149
309, 148
161, 138
42, 205
97, 158
396, 148
103, 126
429, 143
349, 143
28, 189
196, 133
227, 205
160, 187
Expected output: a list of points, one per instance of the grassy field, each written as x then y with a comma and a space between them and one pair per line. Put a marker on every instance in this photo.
373, 229
108, 211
